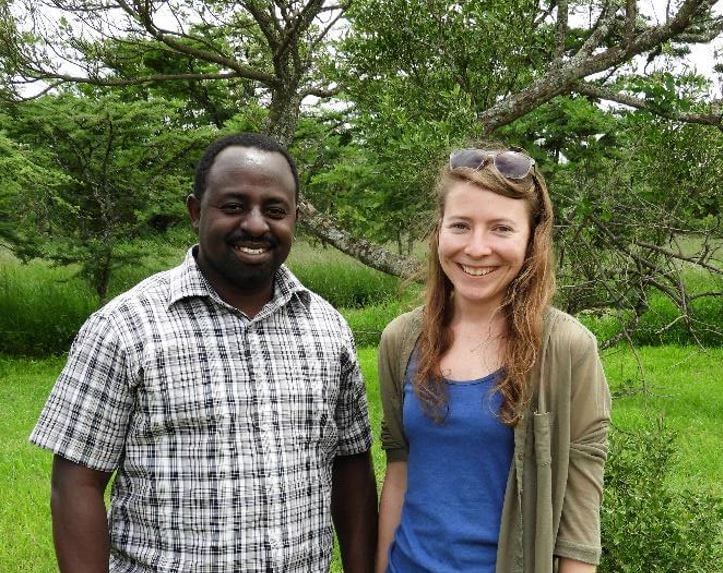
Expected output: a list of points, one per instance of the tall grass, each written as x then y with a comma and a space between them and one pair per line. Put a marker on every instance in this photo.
41, 308
340, 279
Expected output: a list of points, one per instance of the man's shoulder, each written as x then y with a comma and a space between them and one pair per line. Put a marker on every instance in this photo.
149, 294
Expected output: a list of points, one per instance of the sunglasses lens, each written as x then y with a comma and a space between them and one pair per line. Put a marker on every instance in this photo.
469, 158
513, 165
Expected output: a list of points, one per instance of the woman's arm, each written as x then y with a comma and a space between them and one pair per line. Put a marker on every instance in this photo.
390, 510
572, 566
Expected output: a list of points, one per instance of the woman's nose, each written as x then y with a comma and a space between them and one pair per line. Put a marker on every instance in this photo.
478, 245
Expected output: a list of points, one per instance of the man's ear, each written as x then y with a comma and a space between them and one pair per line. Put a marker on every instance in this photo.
193, 204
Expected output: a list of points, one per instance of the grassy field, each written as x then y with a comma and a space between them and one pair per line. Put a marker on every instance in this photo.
683, 385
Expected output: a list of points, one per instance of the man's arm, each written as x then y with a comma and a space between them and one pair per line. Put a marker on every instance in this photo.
390, 509
354, 510
80, 525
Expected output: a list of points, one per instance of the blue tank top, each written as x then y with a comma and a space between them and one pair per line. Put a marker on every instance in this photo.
456, 478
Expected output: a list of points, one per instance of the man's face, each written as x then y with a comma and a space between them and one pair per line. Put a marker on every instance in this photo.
245, 221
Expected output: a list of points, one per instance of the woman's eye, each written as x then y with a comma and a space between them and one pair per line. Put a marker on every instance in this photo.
458, 226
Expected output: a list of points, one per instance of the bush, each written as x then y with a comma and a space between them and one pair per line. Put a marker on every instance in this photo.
41, 309
346, 284
661, 323
647, 528
368, 323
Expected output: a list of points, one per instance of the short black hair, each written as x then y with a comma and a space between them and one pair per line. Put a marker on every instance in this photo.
253, 140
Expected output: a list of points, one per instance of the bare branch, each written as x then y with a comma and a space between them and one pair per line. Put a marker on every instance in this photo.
145, 19
321, 92
267, 23
368, 253
561, 28
631, 15
693, 260
119, 82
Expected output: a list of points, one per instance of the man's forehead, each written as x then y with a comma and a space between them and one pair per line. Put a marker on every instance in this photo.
251, 156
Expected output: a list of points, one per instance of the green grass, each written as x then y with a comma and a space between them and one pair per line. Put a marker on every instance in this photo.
42, 307
24, 470
683, 385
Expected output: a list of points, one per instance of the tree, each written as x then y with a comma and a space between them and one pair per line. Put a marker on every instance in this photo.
109, 169
281, 47
414, 76
20, 176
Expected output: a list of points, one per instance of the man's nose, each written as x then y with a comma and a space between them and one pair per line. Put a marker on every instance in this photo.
254, 223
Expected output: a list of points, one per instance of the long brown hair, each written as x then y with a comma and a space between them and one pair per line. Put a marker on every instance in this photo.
526, 298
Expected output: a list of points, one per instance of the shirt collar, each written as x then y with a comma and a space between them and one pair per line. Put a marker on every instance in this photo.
187, 281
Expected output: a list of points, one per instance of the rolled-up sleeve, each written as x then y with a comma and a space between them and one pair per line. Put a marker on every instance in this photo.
579, 533
390, 385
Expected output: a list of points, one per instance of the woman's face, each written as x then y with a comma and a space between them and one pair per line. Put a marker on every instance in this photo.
482, 243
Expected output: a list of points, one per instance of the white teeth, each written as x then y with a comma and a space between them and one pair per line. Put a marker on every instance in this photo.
250, 251
477, 271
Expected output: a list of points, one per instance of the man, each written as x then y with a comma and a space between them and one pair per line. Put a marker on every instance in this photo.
225, 396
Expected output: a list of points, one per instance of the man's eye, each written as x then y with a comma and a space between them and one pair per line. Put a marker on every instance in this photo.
232, 208
276, 212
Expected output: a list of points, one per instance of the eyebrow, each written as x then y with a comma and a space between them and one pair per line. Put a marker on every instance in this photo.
467, 218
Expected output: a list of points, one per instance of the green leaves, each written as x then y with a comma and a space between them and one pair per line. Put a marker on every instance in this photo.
96, 170
646, 527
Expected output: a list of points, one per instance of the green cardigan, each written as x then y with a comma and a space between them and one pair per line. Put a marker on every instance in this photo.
554, 490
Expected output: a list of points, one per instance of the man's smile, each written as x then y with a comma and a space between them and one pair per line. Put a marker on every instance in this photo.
254, 251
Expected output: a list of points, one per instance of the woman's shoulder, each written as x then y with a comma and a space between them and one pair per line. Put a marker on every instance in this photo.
564, 331
404, 325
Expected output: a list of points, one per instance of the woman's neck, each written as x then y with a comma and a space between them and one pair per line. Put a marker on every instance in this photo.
484, 318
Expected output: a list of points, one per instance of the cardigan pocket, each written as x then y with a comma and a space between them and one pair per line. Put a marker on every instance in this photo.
544, 542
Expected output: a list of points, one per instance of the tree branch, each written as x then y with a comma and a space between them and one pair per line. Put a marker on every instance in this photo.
145, 19
370, 254
588, 61
599, 92
668, 253
561, 29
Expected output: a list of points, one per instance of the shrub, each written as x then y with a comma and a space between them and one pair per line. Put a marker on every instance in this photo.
346, 284
41, 308
661, 323
368, 323
646, 527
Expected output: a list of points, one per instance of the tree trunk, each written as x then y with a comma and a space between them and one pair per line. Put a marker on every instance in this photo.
281, 125
283, 115
370, 254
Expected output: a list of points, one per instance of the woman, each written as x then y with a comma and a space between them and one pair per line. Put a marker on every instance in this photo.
495, 404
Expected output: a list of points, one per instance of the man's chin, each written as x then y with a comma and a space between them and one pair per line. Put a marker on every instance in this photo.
255, 277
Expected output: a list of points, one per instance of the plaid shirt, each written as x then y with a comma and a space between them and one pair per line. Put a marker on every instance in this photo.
222, 429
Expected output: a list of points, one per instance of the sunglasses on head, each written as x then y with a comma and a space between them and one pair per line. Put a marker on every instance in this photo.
510, 164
